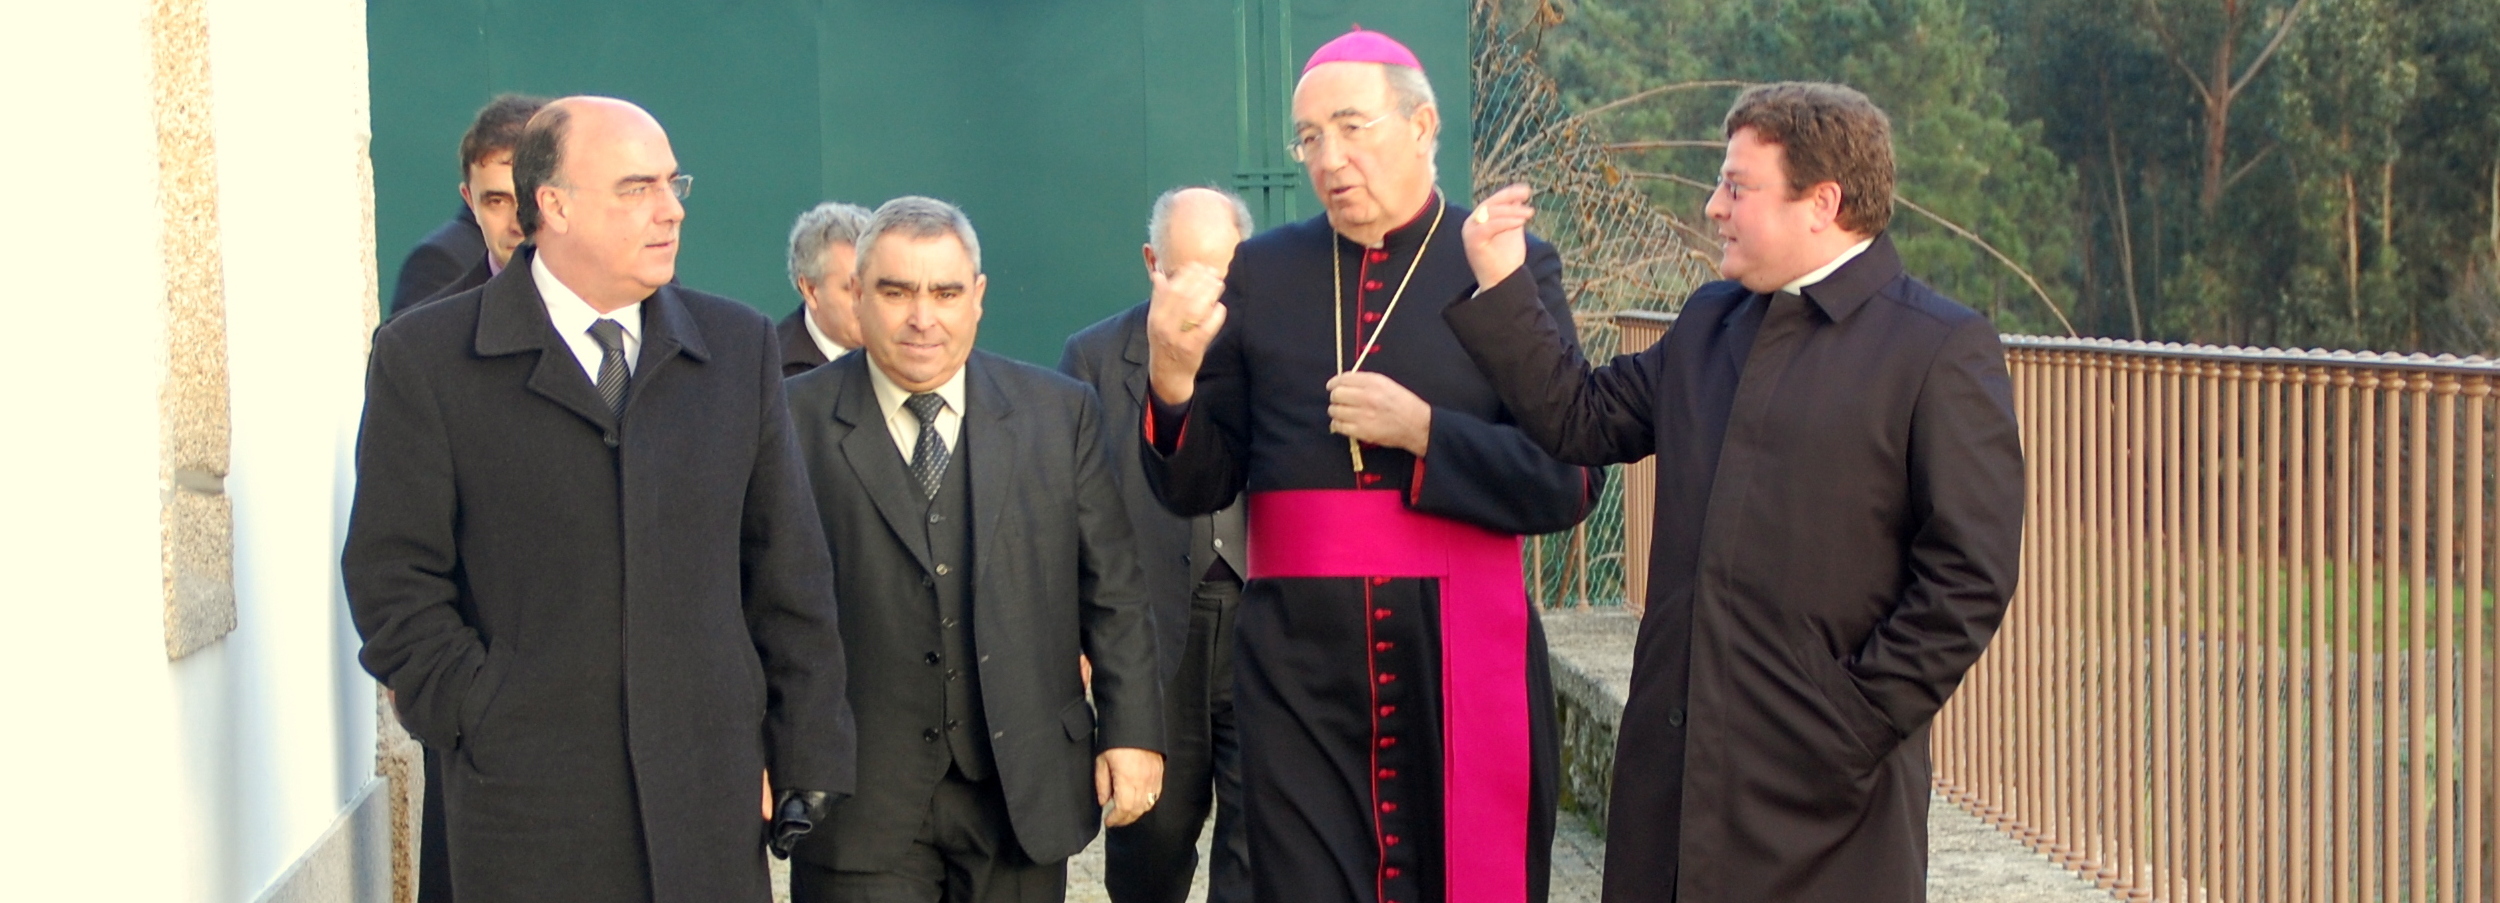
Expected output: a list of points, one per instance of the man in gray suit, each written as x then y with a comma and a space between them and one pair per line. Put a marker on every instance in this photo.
1193, 567
980, 547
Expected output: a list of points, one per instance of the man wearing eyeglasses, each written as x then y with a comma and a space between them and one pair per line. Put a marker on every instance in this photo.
583, 557
1389, 676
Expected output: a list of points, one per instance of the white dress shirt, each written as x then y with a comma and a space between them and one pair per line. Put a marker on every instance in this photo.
905, 425
825, 345
573, 317
1825, 271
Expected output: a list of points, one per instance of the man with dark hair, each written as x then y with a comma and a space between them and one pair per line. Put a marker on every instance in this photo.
1397, 726
472, 247
1194, 568
1839, 516
823, 269
980, 548
582, 554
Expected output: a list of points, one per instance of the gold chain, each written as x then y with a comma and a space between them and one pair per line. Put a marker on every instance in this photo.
1336, 283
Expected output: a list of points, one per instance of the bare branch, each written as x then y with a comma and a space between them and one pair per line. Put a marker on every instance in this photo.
2170, 49
2281, 31
2009, 263
2261, 156
1662, 145
1638, 96
1670, 177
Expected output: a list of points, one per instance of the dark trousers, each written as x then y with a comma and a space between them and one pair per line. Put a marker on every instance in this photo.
1152, 859
966, 853
433, 847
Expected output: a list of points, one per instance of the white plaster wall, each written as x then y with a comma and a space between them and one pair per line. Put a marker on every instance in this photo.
123, 776
280, 732
90, 764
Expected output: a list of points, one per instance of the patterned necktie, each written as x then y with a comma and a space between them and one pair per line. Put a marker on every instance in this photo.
612, 376
928, 456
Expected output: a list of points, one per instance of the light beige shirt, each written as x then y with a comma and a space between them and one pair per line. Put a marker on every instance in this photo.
573, 317
905, 425
1825, 271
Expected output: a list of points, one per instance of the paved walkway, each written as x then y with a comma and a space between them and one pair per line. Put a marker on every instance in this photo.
1968, 862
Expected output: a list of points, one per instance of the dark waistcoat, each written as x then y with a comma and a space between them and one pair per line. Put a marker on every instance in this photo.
950, 545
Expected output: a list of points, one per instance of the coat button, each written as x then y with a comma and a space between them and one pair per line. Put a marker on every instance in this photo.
934, 518
944, 570
1387, 679
1219, 543
930, 735
1388, 710
1389, 839
1386, 742
1391, 872
1675, 717
1388, 807
1388, 774
931, 658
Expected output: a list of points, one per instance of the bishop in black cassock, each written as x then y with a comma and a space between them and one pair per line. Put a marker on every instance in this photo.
1355, 689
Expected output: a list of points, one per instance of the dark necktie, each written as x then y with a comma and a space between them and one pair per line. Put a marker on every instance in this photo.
612, 376
928, 456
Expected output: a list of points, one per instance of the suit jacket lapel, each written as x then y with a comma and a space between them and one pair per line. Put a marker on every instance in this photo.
881, 472
512, 319
987, 448
1140, 358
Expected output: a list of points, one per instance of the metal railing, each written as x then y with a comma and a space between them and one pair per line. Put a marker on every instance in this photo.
2251, 656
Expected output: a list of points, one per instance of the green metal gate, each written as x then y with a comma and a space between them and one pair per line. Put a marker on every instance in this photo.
1054, 124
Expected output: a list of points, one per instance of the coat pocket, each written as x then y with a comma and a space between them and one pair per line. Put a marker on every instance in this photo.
1078, 718
479, 697
1866, 725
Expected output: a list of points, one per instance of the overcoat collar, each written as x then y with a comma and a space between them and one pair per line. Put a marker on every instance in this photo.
512, 319
1849, 287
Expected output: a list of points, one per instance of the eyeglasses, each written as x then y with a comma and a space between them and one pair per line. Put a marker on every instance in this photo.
680, 185
1306, 145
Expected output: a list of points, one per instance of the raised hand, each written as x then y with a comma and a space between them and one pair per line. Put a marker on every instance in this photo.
1182, 318
1496, 235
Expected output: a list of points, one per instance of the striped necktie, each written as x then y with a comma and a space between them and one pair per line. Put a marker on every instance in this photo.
928, 456
612, 376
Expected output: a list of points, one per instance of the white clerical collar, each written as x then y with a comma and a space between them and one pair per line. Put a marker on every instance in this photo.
890, 397
1826, 270
824, 344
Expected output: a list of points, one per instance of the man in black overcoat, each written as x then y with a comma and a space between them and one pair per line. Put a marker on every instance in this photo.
471, 247
1839, 516
1194, 568
582, 555
824, 269
980, 548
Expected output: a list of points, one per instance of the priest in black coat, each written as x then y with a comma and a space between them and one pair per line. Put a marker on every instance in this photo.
582, 554
1390, 677
1839, 517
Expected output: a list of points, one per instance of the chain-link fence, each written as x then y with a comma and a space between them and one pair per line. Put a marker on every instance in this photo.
1620, 252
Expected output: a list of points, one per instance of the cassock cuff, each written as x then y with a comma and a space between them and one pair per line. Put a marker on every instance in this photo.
1159, 414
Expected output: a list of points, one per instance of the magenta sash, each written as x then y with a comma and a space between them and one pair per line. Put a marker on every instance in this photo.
1484, 624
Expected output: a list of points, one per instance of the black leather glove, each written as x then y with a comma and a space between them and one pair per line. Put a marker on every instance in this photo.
796, 812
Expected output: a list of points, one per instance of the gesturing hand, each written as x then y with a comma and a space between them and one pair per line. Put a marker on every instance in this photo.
1182, 318
1496, 235
1127, 781
1375, 409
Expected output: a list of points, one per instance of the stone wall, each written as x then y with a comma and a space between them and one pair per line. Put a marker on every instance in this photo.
1592, 665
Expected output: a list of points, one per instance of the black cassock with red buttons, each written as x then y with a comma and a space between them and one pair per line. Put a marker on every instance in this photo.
1337, 679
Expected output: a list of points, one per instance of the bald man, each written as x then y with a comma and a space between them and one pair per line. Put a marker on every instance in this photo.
1194, 568
583, 556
